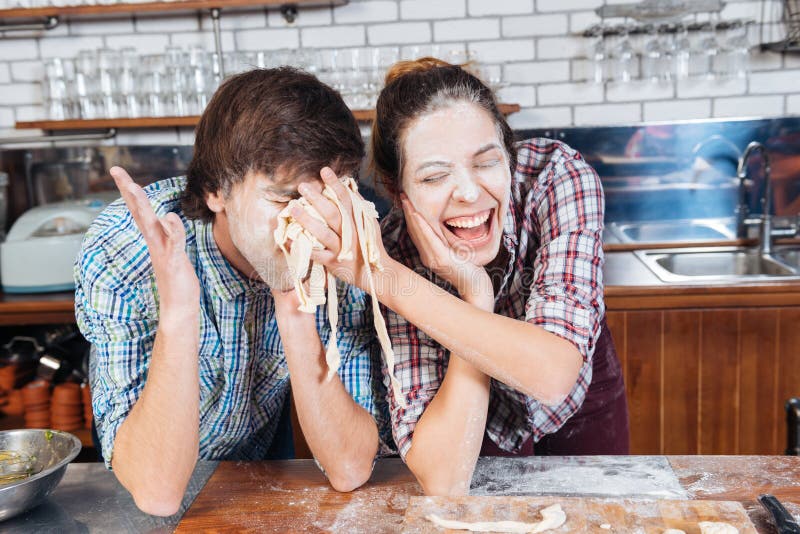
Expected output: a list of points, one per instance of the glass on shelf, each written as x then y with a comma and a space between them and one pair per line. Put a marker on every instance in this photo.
734, 58
623, 58
120, 83
681, 53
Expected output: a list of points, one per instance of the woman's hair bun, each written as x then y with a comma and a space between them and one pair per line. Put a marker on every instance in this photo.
401, 68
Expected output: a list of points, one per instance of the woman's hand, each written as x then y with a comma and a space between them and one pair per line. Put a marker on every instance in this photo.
176, 280
353, 271
470, 280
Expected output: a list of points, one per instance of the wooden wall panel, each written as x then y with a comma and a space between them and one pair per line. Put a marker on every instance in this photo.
759, 415
719, 384
788, 367
616, 324
680, 382
643, 379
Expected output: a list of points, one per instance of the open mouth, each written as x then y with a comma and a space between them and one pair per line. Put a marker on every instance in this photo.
474, 229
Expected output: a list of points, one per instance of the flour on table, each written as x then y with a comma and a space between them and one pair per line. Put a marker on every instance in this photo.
674, 531
552, 517
300, 265
711, 527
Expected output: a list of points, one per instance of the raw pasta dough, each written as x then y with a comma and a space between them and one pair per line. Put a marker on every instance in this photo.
552, 517
300, 264
710, 527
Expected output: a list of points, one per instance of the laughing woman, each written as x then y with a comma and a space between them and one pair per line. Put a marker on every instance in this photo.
492, 284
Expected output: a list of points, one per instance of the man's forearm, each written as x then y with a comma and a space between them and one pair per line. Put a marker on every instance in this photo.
156, 447
342, 435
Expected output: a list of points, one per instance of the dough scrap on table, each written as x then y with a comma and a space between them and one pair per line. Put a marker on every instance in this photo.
605, 526
674, 531
552, 517
711, 527
300, 265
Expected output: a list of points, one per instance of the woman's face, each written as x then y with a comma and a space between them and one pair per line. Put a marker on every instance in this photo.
456, 175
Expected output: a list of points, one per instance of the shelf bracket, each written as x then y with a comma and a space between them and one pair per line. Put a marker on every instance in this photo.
289, 12
55, 138
48, 24
215, 14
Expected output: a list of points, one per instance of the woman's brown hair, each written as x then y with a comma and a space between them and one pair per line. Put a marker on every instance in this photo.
416, 88
269, 120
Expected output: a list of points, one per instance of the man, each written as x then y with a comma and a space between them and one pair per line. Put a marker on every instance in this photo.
186, 299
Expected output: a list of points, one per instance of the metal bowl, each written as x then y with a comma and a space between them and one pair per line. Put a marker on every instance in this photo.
50, 452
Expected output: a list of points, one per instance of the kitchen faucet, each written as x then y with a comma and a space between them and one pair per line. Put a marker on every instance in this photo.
700, 164
766, 233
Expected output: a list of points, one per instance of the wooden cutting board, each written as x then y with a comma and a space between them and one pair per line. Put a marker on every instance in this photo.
583, 514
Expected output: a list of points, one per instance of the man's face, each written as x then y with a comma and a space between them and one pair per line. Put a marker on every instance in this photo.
245, 221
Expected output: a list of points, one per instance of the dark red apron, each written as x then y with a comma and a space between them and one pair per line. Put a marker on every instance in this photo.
600, 425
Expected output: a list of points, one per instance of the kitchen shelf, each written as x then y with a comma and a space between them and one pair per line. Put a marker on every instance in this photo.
44, 308
171, 122
158, 7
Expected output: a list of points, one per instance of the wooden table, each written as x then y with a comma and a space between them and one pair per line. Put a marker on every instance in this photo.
293, 496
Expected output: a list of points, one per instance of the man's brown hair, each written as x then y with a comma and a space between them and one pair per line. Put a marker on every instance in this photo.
269, 120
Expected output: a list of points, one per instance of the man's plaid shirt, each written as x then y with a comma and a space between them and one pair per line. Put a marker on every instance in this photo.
243, 375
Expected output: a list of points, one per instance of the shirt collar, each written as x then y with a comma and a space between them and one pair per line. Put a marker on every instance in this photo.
511, 220
220, 277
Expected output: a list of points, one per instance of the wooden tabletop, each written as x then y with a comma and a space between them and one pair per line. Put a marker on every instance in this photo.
293, 495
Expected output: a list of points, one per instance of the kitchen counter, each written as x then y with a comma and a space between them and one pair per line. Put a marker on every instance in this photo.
90, 499
630, 285
294, 496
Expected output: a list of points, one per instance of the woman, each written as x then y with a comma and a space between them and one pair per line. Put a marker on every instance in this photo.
492, 284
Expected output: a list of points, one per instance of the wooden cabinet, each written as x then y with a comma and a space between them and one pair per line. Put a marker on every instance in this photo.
708, 380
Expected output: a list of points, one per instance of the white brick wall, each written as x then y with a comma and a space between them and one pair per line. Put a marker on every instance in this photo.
466, 29
399, 33
755, 105
358, 12
677, 109
534, 42
479, 8
427, 10
5, 73
503, 51
534, 25
607, 114
793, 104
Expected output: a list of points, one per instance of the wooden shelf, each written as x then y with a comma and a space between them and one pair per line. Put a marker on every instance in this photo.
157, 7
44, 308
363, 115
100, 124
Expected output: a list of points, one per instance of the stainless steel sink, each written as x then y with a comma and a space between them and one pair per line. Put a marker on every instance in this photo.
720, 264
788, 256
676, 230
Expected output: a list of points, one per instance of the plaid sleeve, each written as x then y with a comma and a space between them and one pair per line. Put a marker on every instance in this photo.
420, 365
567, 291
121, 330
360, 369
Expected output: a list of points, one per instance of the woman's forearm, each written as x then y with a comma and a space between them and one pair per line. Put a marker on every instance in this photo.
448, 436
523, 356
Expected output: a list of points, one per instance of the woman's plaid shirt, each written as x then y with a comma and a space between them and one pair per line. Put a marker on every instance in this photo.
553, 279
